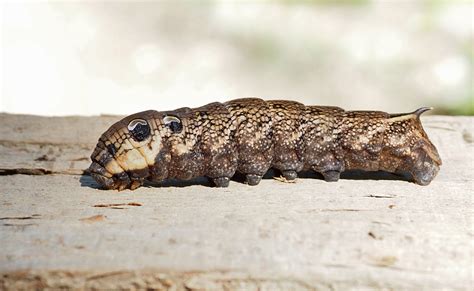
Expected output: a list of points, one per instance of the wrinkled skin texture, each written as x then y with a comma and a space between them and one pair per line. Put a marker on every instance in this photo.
251, 135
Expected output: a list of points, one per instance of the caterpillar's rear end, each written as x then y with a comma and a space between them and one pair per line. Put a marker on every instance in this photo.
410, 149
395, 143
251, 135
335, 140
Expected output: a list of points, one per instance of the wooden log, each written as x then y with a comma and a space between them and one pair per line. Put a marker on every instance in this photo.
57, 230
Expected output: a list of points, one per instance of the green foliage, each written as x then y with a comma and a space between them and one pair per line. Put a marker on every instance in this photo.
464, 108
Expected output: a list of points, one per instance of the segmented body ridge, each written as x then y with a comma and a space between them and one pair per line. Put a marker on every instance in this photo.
251, 135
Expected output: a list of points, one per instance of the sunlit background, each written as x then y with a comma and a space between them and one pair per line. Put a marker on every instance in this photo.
119, 57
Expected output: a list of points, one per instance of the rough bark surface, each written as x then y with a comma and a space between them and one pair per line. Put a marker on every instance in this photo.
366, 231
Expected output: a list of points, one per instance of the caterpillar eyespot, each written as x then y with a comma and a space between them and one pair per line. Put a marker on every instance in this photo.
131, 126
139, 129
173, 123
250, 136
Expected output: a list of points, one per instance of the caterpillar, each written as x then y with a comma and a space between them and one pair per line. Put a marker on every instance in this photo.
250, 136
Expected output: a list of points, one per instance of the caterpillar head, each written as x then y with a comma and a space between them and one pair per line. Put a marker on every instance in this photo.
125, 153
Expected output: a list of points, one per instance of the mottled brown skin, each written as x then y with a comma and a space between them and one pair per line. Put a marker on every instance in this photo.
251, 135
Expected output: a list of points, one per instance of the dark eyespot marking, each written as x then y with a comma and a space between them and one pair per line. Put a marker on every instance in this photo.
139, 129
174, 123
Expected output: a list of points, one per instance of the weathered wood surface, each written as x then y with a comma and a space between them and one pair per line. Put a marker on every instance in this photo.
58, 230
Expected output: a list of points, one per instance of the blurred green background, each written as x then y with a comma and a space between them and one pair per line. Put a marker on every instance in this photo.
119, 57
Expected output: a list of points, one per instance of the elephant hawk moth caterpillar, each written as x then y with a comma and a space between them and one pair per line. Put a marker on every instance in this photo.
250, 136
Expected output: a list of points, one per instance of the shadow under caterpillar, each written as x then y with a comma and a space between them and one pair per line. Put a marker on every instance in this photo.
251, 135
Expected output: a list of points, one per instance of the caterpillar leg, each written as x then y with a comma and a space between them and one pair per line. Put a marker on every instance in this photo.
289, 175
253, 179
331, 171
135, 184
137, 177
331, 176
423, 165
121, 181
221, 182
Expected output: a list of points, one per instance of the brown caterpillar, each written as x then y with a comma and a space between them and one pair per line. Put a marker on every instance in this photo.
251, 135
